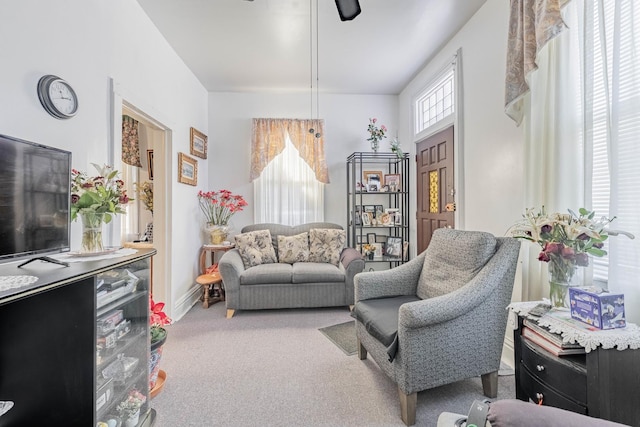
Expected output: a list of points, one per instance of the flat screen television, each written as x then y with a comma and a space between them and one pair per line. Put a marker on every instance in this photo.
35, 199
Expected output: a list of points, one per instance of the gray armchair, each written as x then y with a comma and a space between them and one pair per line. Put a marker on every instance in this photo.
441, 317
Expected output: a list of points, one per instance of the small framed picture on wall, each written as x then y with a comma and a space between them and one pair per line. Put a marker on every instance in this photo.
198, 143
150, 163
187, 169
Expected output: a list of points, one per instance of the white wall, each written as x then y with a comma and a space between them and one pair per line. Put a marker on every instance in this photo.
88, 43
346, 120
493, 145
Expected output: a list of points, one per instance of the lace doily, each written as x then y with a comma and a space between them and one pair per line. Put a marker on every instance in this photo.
574, 331
13, 282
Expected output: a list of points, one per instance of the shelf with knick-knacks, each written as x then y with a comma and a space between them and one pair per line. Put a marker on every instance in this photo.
378, 206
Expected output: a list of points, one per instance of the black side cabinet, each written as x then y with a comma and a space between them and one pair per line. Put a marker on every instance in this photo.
602, 383
48, 341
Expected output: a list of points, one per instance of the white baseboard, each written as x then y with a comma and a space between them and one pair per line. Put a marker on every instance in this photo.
186, 301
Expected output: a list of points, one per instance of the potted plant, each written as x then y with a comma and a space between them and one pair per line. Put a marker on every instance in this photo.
129, 409
157, 319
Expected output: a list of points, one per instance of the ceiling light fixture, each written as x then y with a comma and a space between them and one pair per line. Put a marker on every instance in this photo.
348, 9
312, 130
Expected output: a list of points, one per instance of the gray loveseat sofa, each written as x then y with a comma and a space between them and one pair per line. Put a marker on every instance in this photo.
294, 278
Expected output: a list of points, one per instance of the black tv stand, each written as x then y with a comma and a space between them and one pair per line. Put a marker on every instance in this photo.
45, 258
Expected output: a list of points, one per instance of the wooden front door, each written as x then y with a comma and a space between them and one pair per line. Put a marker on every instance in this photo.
436, 193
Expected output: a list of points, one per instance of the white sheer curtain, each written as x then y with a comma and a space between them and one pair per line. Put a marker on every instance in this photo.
554, 153
287, 191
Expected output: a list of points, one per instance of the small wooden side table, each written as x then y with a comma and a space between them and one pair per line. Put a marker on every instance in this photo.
211, 249
211, 283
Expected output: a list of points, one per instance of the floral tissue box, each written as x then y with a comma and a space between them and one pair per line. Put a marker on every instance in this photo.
597, 308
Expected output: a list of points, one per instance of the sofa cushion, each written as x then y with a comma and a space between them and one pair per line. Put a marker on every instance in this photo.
314, 272
256, 248
293, 248
325, 245
265, 274
452, 259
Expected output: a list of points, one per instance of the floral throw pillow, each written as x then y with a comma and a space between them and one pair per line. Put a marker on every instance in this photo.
326, 244
293, 248
255, 248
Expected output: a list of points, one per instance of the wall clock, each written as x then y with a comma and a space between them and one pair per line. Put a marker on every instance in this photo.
57, 97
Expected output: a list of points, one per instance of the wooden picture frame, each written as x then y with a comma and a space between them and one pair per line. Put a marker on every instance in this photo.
366, 219
150, 164
187, 169
198, 143
371, 178
394, 181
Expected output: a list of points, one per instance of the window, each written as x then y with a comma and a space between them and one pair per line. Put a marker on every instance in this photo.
437, 102
611, 67
287, 190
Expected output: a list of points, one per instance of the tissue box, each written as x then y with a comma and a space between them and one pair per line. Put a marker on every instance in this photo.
597, 308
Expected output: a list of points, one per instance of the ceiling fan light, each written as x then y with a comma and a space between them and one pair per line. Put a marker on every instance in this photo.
348, 9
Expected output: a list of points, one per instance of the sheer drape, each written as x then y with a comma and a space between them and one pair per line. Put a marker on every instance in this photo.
554, 156
287, 191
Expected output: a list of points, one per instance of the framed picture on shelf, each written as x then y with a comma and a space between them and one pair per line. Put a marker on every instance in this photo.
393, 247
370, 209
187, 169
371, 237
371, 178
405, 250
198, 143
357, 217
366, 219
388, 219
397, 218
379, 212
393, 181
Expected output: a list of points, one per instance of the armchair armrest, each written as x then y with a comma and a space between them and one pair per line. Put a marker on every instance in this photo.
401, 280
352, 263
476, 296
231, 267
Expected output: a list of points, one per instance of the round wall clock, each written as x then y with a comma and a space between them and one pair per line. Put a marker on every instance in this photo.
57, 97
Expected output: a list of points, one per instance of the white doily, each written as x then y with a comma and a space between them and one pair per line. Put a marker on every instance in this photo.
574, 331
13, 282
117, 254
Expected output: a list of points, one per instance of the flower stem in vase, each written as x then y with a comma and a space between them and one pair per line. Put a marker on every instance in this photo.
561, 271
92, 232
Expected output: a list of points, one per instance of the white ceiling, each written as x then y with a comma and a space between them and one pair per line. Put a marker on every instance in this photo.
264, 45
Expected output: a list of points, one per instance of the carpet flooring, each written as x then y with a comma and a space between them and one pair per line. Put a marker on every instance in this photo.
275, 368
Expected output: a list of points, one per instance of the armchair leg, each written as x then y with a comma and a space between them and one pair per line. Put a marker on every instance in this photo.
408, 403
362, 352
490, 384
230, 313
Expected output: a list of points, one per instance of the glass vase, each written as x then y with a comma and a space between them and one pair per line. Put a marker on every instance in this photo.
92, 232
560, 275
375, 145
217, 233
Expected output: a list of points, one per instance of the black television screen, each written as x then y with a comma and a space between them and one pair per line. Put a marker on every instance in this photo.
35, 198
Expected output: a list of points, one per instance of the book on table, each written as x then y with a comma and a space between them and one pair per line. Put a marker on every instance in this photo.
550, 346
553, 337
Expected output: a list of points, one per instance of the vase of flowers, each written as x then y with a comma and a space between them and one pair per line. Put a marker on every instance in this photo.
129, 409
395, 148
218, 208
95, 200
376, 134
567, 241
369, 251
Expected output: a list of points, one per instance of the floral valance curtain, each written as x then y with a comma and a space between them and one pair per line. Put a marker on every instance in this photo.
268, 140
130, 141
532, 23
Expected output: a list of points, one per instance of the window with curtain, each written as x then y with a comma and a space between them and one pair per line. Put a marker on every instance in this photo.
288, 171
